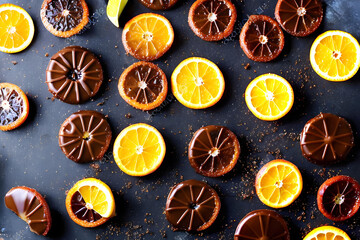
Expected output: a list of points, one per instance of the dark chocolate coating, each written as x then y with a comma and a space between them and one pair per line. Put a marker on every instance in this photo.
143, 85
212, 20
85, 136
261, 38
192, 206
74, 75
78, 206
299, 17
153, 79
213, 151
262, 225
158, 4
55, 14
326, 139
31, 207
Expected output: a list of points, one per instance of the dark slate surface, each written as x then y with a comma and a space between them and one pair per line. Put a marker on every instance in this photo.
31, 156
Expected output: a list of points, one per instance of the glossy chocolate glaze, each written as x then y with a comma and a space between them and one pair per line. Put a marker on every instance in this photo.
212, 17
213, 151
30, 208
192, 206
158, 4
85, 136
261, 38
74, 75
79, 208
11, 106
299, 17
340, 197
144, 83
326, 139
64, 15
262, 225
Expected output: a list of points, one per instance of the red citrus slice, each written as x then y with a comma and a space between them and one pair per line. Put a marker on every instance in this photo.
338, 198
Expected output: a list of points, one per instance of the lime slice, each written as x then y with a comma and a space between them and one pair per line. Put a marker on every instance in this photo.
114, 10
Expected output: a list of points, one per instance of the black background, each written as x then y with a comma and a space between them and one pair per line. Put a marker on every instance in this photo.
31, 156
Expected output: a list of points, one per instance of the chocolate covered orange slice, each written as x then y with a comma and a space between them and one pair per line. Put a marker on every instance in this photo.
192, 206
338, 198
261, 38
85, 136
74, 75
212, 20
14, 106
262, 224
64, 18
158, 4
31, 207
299, 17
326, 139
148, 36
143, 85
90, 203
213, 151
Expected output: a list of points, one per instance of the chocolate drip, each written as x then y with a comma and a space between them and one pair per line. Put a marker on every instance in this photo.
11, 106
262, 225
212, 17
213, 151
299, 17
192, 206
64, 15
74, 75
144, 83
326, 139
30, 207
85, 136
81, 211
158, 4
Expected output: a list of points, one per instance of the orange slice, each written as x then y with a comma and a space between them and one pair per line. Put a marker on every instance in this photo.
269, 97
197, 83
327, 233
278, 183
90, 202
148, 36
139, 149
335, 56
14, 106
16, 28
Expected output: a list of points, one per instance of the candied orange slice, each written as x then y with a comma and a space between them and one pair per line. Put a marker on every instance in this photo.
148, 36
14, 106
